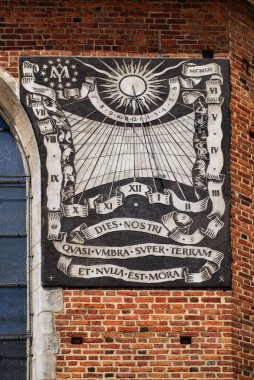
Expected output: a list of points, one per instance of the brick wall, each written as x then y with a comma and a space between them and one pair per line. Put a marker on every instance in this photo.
111, 28
242, 156
135, 334
134, 26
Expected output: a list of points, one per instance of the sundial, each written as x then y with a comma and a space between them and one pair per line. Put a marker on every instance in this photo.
134, 156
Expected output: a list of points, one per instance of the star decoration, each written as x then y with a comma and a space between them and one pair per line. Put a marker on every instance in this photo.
59, 73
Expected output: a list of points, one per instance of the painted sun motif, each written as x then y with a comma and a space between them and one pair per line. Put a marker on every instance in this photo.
134, 86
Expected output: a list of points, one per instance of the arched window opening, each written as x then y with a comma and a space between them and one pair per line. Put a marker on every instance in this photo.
14, 304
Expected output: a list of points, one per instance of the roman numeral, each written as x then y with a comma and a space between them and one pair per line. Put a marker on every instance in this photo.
214, 90
108, 206
214, 150
215, 193
135, 188
51, 139
54, 178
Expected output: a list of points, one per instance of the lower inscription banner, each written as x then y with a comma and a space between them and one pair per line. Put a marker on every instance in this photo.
135, 169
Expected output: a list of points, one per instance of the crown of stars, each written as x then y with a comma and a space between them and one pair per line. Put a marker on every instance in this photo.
59, 73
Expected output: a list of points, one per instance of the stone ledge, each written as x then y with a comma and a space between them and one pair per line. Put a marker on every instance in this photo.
44, 367
47, 300
46, 344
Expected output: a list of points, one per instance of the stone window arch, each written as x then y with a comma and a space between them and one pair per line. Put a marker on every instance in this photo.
43, 302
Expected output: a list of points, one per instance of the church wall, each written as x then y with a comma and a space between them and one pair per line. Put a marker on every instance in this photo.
242, 119
138, 333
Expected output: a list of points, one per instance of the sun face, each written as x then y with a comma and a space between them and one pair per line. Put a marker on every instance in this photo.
133, 86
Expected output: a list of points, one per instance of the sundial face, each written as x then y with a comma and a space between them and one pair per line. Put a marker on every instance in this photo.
132, 86
134, 156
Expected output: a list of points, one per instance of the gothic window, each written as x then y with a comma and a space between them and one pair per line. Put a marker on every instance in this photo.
14, 321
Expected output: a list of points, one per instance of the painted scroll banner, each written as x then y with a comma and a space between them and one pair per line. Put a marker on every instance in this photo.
134, 188
134, 164
122, 273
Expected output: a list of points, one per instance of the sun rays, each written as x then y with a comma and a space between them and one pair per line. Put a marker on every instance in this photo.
131, 86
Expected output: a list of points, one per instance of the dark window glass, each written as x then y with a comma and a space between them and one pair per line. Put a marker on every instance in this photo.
10, 159
12, 208
13, 265
13, 310
13, 262
13, 360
